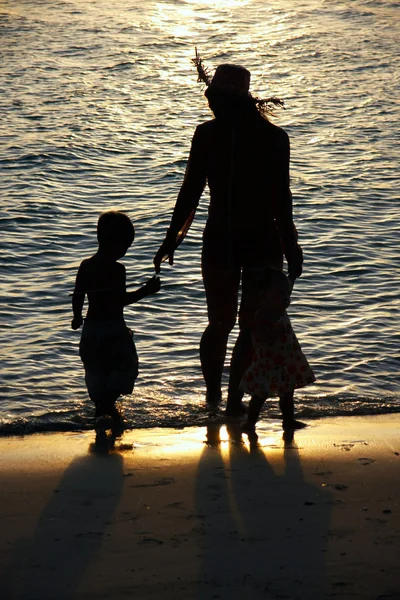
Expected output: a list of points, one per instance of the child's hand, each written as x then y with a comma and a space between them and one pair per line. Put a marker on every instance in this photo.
153, 285
76, 322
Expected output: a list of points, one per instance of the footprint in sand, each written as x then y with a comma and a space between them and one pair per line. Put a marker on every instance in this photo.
164, 481
146, 540
336, 486
174, 505
366, 461
345, 447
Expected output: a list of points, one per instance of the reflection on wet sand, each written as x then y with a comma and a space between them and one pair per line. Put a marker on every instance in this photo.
259, 534
108, 432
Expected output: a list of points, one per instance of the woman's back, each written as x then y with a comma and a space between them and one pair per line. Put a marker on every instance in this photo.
245, 171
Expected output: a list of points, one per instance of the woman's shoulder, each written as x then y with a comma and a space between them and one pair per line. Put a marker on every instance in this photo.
205, 133
274, 130
207, 127
264, 132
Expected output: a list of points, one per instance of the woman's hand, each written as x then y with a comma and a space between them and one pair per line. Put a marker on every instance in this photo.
166, 250
76, 322
295, 262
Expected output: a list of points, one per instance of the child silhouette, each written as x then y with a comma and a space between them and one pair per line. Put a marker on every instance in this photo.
107, 348
278, 366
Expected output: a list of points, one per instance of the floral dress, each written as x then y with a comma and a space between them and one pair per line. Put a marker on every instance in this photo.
278, 366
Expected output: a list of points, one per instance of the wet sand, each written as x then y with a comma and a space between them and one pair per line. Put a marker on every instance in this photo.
204, 513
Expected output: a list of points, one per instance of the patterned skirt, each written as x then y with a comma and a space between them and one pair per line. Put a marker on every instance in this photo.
277, 368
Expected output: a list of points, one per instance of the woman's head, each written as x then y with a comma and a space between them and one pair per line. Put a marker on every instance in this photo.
234, 78
228, 92
275, 289
115, 233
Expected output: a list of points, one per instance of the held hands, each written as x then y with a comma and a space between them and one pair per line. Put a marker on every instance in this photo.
76, 322
152, 286
166, 250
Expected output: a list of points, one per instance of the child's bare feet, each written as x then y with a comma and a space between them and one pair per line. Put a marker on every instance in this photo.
293, 424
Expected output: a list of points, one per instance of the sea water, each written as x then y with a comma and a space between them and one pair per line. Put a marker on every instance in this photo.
98, 105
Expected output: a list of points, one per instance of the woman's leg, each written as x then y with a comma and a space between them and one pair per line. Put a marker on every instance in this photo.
243, 349
221, 287
241, 359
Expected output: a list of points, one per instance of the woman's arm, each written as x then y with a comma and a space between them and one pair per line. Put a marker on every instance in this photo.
284, 208
78, 299
187, 201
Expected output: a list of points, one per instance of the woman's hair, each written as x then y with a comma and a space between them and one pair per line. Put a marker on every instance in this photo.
228, 91
227, 103
115, 227
272, 277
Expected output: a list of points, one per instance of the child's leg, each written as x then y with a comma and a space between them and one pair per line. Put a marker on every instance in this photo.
286, 404
255, 405
105, 405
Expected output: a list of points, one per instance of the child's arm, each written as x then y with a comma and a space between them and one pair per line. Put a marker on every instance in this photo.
151, 287
78, 298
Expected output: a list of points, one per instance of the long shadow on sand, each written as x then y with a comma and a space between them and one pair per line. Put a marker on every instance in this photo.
264, 527
70, 529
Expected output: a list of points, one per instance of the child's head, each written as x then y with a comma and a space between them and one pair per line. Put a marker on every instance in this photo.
115, 233
275, 290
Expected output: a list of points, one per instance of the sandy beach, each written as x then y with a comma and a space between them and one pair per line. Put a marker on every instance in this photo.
204, 513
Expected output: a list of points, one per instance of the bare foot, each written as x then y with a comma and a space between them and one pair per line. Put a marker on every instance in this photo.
237, 410
293, 424
213, 399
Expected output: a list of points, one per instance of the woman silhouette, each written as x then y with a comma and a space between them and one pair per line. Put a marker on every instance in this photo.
245, 160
